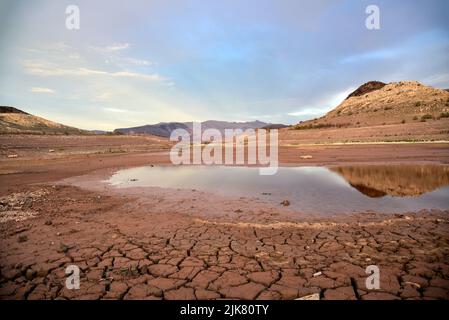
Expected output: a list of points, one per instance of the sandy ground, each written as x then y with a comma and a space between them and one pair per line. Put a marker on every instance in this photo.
153, 243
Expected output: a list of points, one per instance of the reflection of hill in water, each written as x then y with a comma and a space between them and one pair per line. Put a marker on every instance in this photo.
395, 180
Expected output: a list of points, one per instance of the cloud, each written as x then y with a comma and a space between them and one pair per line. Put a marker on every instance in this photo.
323, 106
441, 80
137, 62
42, 90
116, 47
115, 110
51, 70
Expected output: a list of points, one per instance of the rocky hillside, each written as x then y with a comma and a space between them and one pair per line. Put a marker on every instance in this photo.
376, 103
16, 121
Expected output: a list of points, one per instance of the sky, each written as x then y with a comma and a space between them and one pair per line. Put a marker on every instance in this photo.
143, 62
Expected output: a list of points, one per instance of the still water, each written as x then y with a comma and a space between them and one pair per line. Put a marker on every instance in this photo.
389, 189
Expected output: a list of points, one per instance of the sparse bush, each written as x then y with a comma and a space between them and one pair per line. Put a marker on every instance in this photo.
388, 108
320, 126
415, 118
403, 121
444, 115
426, 117
350, 113
418, 104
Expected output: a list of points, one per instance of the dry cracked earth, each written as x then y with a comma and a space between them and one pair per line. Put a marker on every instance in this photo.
127, 251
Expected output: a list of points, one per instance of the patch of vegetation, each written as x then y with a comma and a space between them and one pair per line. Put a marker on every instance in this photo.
426, 117
321, 126
415, 118
418, 104
109, 151
403, 121
388, 108
444, 115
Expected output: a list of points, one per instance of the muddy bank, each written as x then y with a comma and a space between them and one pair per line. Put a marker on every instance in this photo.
128, 249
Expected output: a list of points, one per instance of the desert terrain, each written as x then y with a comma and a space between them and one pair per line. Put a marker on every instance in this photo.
56, 210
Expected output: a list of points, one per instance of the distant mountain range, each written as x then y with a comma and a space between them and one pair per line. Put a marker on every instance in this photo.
164, 129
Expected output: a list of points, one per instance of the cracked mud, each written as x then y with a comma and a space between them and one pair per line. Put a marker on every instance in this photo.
132, 246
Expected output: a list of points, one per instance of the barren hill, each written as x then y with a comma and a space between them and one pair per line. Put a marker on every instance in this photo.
13, 120
376, 103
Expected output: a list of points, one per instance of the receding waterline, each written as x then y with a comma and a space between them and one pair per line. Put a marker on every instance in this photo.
389, 189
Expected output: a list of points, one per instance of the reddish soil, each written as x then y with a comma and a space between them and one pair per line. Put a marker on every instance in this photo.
158, 244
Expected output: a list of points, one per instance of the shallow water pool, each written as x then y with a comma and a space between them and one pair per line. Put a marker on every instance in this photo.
389, 189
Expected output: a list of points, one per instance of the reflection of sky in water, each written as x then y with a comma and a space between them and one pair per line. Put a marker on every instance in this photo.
309, 189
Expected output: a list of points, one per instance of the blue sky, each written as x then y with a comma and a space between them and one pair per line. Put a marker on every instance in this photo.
151, 61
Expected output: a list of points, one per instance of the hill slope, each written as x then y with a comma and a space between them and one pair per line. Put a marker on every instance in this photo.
16, 121
376, 103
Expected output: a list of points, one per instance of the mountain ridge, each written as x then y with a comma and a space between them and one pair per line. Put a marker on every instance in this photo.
163, 129
375, 103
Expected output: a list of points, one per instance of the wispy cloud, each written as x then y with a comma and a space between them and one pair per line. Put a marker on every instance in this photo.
115, 110
138, 62
51, 70
322, 106
42, 90
117, 47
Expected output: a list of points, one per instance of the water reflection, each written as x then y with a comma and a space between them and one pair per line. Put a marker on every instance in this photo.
395, 180
309, 189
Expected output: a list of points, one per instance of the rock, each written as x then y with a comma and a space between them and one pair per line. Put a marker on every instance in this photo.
319, 273
22, 238
285, 203
305, 157
12, 155
51, 150
30, 274
315, 296
63, 248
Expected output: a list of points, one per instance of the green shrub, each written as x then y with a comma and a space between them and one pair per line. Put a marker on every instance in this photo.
426, 117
